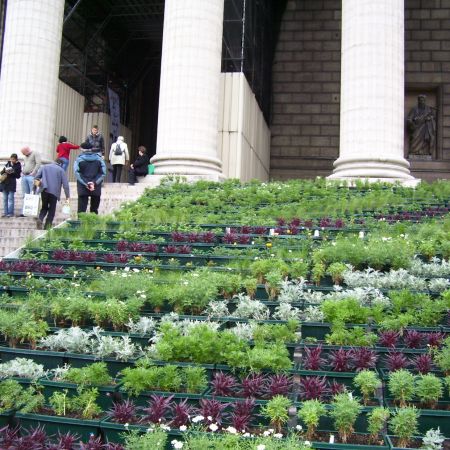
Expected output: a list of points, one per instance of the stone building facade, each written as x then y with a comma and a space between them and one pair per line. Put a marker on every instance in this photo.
325, 89
306, 85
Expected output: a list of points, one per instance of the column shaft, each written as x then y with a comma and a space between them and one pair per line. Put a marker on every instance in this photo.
189, 89
29, 75
372, 91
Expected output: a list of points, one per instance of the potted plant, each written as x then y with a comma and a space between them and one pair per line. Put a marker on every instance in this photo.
310, 412
277, 411
344, 412
403, 424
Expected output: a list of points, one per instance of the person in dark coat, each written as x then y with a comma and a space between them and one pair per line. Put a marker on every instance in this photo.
12, 170
90, 171
94, 141
139, 167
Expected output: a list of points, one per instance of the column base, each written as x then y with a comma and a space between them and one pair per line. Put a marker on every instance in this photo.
186, 165
388, 168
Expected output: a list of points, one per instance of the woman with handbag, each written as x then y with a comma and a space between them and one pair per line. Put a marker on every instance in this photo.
9, 175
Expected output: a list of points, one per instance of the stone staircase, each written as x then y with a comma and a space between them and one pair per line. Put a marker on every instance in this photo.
15, 231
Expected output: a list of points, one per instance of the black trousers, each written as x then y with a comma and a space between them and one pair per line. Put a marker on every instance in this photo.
132, 176
117, 172
48, 208
83, 202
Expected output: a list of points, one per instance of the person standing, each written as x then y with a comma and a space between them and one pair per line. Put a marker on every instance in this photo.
12, 170
118, 157
49, 179
90, 171
63, 151
31, 165
139, 167
94, 141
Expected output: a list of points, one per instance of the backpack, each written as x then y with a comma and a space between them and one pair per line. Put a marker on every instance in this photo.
118, 150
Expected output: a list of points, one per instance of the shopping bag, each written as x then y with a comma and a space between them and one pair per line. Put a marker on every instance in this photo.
66, 209
31, 205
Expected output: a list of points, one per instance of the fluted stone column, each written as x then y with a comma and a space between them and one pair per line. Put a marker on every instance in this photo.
29, 75
189, 88
372, 91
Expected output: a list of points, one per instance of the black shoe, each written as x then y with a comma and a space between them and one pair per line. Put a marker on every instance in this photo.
20, 215
39, 225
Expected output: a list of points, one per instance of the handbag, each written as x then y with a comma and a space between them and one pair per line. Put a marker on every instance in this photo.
3, 177
31, 205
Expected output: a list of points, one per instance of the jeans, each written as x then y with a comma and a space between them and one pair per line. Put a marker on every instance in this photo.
8, 203
48, 208
117, 172
65, 163
27, 184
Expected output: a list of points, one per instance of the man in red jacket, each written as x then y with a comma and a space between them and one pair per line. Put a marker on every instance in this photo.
63, 151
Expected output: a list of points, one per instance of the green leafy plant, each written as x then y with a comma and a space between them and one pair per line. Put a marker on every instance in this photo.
14, 396
429, 389
344, 412
442, 357
368, 382
376, 422
310, 413
401, 386
403, 424
336, 271
83, 404
95, 374
277, 411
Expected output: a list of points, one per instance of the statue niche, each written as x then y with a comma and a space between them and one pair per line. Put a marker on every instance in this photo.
421, 126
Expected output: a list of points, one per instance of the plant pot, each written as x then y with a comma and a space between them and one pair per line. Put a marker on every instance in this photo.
318, 445
57, 424
50, 360
6, 418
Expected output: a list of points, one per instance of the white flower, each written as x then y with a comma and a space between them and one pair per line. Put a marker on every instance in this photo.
266, 433
165, 427
246, 435
177, 444
183, 428
143, 296
126, 425
197, 419
213, 427
307, 443
209, 418
299, 427
261, 447
135, 270
232, 430
278, 435
127, 269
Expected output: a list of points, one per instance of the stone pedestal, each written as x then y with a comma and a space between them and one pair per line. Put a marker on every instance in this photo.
372, 92
189, 89
29, 76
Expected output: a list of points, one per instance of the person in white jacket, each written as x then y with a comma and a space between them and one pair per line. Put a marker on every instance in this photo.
118, 157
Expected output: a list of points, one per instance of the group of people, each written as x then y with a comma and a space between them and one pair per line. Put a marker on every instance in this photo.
48, 179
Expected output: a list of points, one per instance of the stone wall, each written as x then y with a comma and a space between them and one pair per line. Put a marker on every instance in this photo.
306, 84
306, 87
427, 60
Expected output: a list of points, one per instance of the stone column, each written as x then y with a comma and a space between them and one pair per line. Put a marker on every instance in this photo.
29, 76
372, 92
189, 88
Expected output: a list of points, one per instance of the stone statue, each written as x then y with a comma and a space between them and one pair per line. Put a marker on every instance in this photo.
421, 124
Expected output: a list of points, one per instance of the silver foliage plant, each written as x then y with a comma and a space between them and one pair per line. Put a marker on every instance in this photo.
433, 440
22, 368
144, 326
248, 308
76, 340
